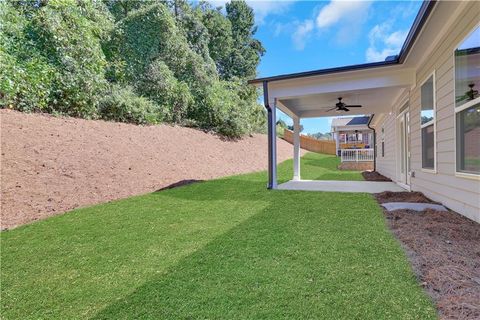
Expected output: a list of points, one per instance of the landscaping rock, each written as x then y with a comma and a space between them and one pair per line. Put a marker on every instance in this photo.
415, 206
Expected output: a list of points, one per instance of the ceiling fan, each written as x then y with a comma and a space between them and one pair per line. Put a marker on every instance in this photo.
340, 106
469, 95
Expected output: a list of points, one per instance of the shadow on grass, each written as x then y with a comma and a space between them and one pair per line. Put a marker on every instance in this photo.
180, 183
326, 163
225, 248
297, 258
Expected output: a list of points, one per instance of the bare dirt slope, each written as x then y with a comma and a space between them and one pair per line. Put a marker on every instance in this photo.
50, 165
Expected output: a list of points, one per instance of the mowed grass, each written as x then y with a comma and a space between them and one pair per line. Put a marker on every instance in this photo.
316, 166
222, 249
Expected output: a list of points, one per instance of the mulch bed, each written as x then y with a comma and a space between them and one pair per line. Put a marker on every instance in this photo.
389, 196
444, 249
374, 176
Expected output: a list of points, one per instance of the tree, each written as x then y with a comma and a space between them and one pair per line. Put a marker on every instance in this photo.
220, 44
247, 51
55, 49
280, 123
321, 136
132, 61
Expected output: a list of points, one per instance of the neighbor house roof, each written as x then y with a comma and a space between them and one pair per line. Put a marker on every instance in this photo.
344, 123
359, 121
340, 122
421, 18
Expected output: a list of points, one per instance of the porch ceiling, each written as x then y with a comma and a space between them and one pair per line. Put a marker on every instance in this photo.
375, 89
378, 100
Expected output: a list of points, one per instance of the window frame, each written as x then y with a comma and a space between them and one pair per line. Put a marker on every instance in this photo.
456, 110
383, 140
429, 123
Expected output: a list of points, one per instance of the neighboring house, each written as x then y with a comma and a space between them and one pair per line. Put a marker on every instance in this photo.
424, 103
352, 133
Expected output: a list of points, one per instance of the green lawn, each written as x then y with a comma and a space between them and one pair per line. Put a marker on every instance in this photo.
222, 249
316, 166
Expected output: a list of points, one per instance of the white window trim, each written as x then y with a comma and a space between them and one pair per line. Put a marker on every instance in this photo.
460, 174
433, 121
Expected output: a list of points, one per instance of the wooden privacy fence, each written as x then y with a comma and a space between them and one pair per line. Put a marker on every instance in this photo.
311, 144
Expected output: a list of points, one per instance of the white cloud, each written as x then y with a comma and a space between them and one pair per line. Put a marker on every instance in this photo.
384, 42
262, 8
302, 33
340, 11
349, 16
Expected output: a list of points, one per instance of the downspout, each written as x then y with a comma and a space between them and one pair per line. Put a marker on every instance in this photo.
271, 126
374, 143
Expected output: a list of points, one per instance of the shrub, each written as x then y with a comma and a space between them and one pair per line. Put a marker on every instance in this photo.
159, 60
122, 104
26, 78
222, 111
160, 85
69, 34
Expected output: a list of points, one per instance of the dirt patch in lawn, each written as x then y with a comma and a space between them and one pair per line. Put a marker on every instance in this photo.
53, 164
374, 176
444, 249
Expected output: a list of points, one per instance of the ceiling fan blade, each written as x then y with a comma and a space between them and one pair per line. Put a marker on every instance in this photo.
345, 109
331, 109
353, 106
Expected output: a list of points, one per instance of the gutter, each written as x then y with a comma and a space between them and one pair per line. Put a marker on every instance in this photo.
374, 142
326, 71
271, 141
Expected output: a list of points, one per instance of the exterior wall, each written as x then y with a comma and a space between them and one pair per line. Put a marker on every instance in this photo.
460, 194
387, 164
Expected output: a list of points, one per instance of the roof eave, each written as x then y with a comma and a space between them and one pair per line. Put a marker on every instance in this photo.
325, 71
420, 20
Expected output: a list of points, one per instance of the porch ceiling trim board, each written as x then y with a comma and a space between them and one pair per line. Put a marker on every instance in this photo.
284, 109
341, 82
375, 100
311, 97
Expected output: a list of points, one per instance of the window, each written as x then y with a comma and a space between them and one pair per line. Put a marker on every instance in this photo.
427, 115
354, 137
467, 104
468, 140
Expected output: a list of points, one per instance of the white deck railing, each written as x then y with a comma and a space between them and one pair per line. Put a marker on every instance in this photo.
356, 155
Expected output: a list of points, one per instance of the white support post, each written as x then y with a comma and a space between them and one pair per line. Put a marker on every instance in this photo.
337, 142
296, 148
274, 144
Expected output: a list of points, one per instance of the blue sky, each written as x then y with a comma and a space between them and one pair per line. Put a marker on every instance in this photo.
307, 35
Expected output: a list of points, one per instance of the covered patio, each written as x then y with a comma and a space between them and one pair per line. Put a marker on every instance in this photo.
340, 186
374, 86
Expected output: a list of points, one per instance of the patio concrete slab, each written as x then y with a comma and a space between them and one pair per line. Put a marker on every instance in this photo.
341, 186
392, 206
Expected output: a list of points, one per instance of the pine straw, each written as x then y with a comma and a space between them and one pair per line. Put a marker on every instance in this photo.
444, 249
389, 196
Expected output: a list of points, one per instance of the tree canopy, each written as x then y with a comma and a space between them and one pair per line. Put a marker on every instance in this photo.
133, 61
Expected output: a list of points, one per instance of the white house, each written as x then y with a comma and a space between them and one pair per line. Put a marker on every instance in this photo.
424, 103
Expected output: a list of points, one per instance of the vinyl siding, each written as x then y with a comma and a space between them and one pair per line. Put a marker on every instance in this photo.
387, 165
458, 193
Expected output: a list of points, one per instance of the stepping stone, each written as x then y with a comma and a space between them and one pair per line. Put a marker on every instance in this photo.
391, 206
